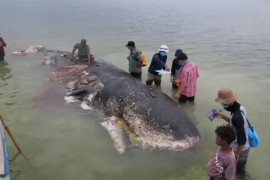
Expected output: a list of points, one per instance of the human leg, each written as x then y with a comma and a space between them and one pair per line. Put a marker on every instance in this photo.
241, 164
150, 79
182, 99
191, 99
157, 80
136, 75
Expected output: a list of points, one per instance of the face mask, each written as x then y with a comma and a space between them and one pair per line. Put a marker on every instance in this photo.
224, 105
162, 53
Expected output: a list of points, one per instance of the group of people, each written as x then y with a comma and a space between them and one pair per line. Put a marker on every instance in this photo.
233, 149
232, 139
184, 73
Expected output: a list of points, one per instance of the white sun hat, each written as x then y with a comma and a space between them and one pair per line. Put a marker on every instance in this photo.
164, 48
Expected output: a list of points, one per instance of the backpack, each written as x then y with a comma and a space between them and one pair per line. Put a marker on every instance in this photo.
144, 60
253, 137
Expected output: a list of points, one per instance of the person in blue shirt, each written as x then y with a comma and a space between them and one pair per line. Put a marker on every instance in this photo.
158, 62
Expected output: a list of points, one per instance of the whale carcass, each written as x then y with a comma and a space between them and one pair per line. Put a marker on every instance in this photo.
152, 117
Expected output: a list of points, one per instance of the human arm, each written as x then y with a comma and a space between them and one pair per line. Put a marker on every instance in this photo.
239, 125
172, 71
230, 170
220, 115
181, 83
75, 47
180, 90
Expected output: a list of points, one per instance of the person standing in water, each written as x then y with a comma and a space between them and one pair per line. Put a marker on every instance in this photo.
176, 69
228, 100
223, 163
134, 60
158, 62
2, 50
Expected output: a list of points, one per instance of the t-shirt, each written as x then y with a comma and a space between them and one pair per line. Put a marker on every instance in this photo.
222, 165
83, 50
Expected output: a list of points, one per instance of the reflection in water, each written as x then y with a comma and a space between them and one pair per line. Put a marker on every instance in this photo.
4, 73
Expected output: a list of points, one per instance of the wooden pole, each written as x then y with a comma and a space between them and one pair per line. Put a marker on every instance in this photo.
12, 137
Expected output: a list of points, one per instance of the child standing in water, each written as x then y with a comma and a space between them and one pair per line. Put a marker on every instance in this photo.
222, 165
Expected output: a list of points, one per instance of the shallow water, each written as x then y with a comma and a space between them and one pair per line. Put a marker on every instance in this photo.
228, 41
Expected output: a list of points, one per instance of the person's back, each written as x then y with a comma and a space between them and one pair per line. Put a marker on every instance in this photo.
189, 76
83, 51
135, 60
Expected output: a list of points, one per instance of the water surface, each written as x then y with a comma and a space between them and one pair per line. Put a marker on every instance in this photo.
228, 40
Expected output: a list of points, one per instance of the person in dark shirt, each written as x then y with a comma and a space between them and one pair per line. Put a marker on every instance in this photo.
2, 50
158, 63
176, 68
227, 98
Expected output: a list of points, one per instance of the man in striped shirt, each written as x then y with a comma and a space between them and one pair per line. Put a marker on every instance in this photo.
187, 81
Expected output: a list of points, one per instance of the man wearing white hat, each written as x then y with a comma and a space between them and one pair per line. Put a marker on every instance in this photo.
158, 62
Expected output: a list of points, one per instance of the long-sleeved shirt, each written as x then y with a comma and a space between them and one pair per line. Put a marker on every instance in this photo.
158, 62
188, 79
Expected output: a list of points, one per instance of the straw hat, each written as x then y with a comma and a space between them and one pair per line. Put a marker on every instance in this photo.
226, 96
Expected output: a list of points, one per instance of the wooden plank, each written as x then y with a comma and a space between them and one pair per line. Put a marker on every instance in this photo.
2, 158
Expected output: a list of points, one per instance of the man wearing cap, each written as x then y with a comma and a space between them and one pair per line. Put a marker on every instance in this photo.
158, 62
83, 51
227, 98
135, 60
176, 68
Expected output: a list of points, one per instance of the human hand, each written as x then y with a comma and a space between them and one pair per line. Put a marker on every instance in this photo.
167, 68
171, 78
236, 156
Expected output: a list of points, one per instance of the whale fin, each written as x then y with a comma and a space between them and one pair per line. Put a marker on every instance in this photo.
116, 134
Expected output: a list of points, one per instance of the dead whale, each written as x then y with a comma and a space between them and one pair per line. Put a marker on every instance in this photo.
151, 116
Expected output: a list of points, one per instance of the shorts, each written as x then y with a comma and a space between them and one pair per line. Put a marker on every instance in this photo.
184, 99
153, 78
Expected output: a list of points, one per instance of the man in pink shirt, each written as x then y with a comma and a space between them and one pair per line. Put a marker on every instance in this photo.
187, 81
